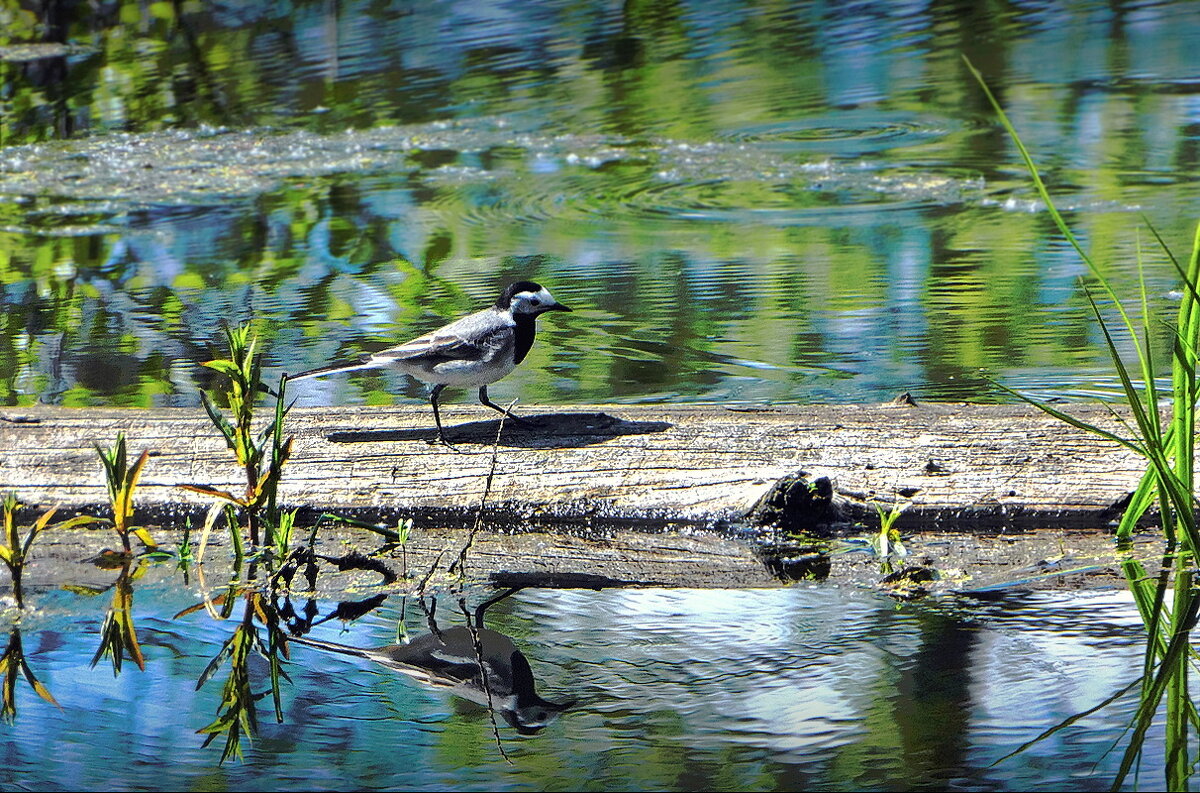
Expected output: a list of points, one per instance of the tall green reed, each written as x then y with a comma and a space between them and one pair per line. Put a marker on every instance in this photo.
1168, 602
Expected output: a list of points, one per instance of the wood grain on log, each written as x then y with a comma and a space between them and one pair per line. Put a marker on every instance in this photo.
953, 466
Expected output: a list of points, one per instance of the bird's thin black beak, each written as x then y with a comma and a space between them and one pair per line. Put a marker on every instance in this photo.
559, 307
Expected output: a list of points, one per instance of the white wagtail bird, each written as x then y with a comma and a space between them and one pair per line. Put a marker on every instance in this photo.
471, 352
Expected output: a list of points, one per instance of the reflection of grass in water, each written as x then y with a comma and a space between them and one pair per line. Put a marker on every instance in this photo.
118, 636
12, 664
237, 713
1168, 603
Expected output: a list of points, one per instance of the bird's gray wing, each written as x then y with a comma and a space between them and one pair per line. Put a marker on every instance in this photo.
478, 336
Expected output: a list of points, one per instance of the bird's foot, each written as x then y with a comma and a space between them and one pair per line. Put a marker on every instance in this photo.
521, 421
440, 440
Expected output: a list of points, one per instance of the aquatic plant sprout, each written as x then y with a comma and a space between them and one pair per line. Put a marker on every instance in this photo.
122, 481
887, 542
262, 454
1169, 483
14, 551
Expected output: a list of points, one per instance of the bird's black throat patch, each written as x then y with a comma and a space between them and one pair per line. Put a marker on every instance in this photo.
523, 335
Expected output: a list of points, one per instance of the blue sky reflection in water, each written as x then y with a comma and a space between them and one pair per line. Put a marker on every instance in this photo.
816, 688
744, 201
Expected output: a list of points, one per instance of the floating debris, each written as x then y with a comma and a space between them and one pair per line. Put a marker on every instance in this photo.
546, 174
23, 53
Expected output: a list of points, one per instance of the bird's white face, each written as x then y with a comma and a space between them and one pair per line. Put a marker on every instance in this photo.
535, 302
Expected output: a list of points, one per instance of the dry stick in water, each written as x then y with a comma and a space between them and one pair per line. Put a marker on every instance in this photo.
461, 561
420, 591
487, 487
460, 564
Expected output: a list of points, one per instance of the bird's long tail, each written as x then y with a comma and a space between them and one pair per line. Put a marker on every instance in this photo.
369, 363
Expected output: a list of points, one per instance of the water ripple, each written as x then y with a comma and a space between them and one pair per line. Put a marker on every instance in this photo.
863, 131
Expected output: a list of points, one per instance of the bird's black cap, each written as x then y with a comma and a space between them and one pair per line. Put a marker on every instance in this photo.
505, 300
520, 286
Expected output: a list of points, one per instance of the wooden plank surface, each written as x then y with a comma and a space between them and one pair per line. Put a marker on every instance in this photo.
954, 466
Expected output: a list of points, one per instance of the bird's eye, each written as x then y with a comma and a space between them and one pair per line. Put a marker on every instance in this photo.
535, 301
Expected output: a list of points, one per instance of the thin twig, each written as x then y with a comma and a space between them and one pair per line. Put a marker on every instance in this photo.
461, 562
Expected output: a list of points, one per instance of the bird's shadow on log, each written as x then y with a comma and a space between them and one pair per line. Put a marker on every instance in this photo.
539, 431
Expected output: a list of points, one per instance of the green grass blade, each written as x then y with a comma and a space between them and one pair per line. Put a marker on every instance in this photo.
388, 533
1147, 420
1062, 725
219, 420
1039, 185
1139, 503
1146, 353
1074, 422
1151, 699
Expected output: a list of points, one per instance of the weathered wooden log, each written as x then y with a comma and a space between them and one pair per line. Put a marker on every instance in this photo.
950, 466
569, 487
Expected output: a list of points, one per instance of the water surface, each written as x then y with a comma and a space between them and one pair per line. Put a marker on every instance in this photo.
744, 201
818, 687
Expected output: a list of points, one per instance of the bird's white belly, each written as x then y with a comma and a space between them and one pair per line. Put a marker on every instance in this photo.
460, 373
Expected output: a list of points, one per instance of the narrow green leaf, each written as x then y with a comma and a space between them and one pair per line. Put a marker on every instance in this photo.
224, 495
1140, 414
225, 367
1074, 422
119, 458
1149, 705
144, 536
1067, 723
41, 522
1036, 176
37, 686
215, 664
219, 420
78, 520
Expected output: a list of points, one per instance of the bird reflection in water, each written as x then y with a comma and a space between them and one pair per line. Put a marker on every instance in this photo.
474, 662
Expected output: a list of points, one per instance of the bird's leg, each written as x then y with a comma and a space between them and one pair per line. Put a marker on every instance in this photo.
437, 417
483, 398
